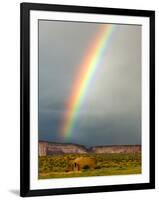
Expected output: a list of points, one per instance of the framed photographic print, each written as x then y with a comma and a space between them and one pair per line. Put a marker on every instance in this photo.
87, 99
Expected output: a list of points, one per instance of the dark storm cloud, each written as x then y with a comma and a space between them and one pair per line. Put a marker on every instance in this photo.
111, 111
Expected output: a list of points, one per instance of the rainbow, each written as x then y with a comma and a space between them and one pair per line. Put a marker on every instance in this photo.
85, 74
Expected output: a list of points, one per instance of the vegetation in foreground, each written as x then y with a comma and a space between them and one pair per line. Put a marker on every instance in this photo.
106, 164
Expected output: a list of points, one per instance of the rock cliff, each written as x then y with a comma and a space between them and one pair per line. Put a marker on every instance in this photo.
51, 148
116, 149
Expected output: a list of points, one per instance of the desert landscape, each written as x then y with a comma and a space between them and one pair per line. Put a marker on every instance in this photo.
64, 160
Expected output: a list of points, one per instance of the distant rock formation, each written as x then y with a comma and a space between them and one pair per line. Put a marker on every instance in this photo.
51, 148
116, 149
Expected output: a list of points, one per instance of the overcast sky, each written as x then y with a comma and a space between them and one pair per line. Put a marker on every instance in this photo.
111, 111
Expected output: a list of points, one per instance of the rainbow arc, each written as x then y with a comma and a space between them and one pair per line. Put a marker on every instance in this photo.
85, 74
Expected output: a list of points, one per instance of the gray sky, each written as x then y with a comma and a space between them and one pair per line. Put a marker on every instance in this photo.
111, 111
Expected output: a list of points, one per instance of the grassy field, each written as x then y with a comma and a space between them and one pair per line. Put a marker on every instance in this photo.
107, 164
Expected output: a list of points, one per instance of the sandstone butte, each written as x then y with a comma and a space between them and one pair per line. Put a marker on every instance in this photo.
52, 148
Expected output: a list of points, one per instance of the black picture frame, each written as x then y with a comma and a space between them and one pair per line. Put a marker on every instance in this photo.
25, 9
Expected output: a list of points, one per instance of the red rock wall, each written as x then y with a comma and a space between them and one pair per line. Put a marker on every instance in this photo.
48, 148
